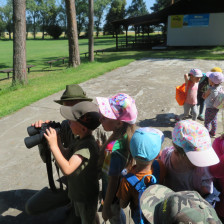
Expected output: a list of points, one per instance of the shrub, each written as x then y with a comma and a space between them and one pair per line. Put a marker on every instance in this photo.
54, 30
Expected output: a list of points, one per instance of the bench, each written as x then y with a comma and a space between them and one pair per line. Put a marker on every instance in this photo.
10, 70
96, 51
57, 59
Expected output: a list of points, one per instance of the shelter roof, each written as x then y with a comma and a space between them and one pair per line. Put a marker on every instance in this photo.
181, 7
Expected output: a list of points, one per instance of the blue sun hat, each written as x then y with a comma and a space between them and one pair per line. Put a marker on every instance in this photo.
146, 143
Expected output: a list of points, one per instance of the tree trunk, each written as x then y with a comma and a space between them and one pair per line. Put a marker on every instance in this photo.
19, 42
91, 28
74, 57
34, 27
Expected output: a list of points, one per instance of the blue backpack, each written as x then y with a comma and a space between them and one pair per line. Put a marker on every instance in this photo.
140, 186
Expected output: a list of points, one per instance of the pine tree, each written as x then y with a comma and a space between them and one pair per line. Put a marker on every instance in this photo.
137, 8
116, 12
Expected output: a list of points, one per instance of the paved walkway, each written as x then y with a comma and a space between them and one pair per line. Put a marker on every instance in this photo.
152, 84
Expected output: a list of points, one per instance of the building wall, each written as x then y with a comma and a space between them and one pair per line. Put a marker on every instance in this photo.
210, 35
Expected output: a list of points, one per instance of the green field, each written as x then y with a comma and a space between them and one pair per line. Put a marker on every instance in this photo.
43, 80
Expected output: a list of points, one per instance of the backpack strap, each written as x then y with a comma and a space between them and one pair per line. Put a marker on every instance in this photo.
156, 170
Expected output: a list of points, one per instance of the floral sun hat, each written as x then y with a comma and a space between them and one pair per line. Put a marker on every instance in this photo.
119, 107
194, 139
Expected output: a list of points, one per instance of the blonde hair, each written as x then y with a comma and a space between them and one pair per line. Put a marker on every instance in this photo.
126, 128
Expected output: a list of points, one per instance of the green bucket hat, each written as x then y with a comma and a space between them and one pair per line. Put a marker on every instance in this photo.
73, 92
161, 205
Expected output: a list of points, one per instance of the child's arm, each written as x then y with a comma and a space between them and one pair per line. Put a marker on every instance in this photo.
186, 78
111, 192
67, 167
206, 94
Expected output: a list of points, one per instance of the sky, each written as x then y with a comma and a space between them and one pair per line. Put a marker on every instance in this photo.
149, 3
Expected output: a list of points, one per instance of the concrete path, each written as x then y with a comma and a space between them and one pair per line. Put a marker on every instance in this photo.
151, 82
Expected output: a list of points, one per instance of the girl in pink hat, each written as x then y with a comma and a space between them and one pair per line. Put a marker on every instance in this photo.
118, 114
191, 84
211, 112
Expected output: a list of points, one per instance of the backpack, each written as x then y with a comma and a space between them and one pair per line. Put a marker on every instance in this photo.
140, 186
181, 94
219, 100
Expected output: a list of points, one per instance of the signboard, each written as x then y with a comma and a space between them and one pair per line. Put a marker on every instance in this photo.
179, 21
196, 20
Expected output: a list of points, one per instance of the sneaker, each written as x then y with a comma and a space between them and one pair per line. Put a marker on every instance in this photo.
212, 136
177, 118
200, 118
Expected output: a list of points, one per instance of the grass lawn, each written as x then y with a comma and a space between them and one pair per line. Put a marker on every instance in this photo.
44, 80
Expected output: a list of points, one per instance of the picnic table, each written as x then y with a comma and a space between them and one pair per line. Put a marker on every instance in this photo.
10, 70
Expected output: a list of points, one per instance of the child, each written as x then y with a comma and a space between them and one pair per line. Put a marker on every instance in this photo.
145, 146
215, 79
160, 205
81, 165
218, 174
118, 114
191, 79
202, 88
187, 159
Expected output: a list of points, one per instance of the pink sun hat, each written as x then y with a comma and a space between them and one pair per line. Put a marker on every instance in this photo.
194, 139
119, 107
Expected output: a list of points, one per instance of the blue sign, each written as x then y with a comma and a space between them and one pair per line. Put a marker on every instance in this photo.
196, 20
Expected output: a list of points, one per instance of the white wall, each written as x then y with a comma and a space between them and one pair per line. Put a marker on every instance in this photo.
211, 35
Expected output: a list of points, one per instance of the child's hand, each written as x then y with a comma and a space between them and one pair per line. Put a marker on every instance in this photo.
51, 137
39, 123
186, 78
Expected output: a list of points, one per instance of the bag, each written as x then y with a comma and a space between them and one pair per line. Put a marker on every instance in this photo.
219, 100
181, 94
140, 186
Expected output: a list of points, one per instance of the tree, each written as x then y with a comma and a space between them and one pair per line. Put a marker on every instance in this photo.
91, 28
7, 17
62, 17
2, 26
116, 12
74, 57
33, 12
81, 15
137, 8
99, 7
19, 42
48, 12
160, 4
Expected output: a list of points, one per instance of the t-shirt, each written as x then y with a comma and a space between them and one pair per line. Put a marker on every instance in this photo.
114, 161
83, 182
192, 93
217, 172
192, 180
128, 193
209, 101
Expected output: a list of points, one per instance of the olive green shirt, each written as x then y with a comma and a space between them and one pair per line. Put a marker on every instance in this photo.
83, 183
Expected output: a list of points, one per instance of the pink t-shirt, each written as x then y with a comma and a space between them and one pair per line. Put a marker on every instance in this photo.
192, 93
191, 180
217, 172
